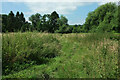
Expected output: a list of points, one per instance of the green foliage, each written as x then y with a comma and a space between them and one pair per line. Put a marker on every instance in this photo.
62, 21
19, 21
47, 22
12, 23
19, 50
4, 23
77, 29
0, 23
82, 56
103, 19
35, 19
53, 21
64, 29
118, 19
69, 29
44, 25
26, 27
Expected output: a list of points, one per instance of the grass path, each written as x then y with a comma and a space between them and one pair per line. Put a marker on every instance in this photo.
77, 60
68, 62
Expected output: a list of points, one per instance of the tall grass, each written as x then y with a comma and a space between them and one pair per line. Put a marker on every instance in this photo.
102, 61
0, 56
27, 48
82, 55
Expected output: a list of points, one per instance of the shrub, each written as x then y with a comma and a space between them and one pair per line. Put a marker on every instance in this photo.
27, 48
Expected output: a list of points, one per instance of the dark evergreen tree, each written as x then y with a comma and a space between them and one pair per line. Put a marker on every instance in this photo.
18, 24
0, 23
4, 23
10, 22
53, 21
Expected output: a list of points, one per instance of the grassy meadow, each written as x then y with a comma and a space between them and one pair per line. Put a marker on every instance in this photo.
46, 55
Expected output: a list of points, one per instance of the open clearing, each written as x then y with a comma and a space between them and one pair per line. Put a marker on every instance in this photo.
80, 55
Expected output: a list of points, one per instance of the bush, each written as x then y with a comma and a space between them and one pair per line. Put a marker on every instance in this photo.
27, 48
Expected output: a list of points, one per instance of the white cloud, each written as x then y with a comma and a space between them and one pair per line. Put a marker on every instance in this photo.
106, 1
48, 0
61, 6
48, 7
60, 0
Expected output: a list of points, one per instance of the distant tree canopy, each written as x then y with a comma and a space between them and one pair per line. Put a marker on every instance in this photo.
11, 22
106, 18
0, 23
103, 19
47, 22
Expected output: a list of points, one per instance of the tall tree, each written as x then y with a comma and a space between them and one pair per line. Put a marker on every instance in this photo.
4, 23
22, 18
10, 22
53, 21
35, 19
45, 23
0, 23
18, 24
62, 20
101, 18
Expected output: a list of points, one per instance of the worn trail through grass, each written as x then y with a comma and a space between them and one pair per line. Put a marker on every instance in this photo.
80, 57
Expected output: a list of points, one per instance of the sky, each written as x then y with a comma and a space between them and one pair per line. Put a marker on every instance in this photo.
75, 11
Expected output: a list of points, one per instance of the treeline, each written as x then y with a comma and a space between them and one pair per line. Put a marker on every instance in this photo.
105, 18
47, 22
13, 23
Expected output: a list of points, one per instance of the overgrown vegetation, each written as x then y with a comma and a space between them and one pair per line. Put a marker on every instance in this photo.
20, 51
81, 55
